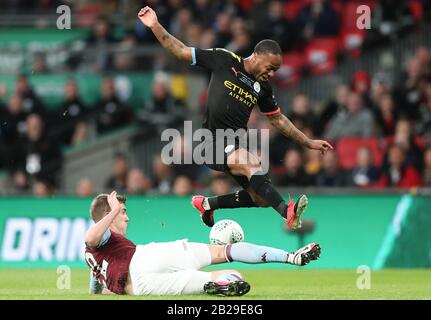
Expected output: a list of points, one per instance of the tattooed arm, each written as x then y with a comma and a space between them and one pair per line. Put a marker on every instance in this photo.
149, 18
288, 129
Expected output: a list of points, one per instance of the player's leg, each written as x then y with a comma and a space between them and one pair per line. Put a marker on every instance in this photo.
250, 253
243, 163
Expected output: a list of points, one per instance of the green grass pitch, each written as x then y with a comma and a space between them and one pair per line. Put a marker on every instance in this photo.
265, 284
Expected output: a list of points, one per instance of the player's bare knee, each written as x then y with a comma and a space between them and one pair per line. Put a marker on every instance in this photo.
217, 253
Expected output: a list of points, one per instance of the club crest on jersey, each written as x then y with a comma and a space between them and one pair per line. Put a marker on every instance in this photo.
256, 87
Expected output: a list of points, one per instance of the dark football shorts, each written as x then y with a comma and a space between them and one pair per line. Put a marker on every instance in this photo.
221, 148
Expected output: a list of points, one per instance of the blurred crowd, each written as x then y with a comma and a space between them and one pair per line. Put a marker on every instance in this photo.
236, 25
381, 133
385, 127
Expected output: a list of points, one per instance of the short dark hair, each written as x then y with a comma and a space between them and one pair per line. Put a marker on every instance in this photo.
100, 206
268, 46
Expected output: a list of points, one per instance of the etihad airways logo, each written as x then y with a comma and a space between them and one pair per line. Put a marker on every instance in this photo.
240, 94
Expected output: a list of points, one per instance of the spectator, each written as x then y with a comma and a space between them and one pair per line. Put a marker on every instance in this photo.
361, 84
184, 167
30, 101
85, 187
317, 19
407, 92
379, 88
295, 175
427, 168
302, 115
364, 174
110, 112
220, 185
162, 176
14, 120
331, 175
277, 27
332, 107
413, 152
181, 22
313, 162
118, 178
355, 121
424, 125
397, 173
162, 110
183, 186
386, 115
137, 182
72, 115
204, 12
42, 189
39, 64
125, 59
38, 156
100, 42
391, 17
208, 39
222, 28
241, 43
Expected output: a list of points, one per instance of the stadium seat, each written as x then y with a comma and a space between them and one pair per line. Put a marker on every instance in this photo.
290, 71
292, 8
416, 9
351, 42
347, 149
321, 54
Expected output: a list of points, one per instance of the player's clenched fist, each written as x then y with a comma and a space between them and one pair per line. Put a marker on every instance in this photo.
147, 16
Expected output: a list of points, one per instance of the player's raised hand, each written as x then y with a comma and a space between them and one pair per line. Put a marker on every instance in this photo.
147, 16
321, 145
113, 202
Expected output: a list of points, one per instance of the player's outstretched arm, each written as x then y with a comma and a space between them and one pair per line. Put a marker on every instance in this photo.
287, 128
95, 233
149, 18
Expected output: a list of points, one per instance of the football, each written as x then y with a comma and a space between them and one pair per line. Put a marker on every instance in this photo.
226, 232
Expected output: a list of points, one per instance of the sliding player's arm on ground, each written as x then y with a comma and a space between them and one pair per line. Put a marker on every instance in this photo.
100, 230
149, 18
96, 287
288, 129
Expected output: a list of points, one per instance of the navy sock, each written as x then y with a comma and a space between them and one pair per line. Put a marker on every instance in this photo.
264, 188
239, 199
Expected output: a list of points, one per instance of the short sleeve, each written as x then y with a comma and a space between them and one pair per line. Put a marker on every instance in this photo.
267, 104
212, 59
105, 238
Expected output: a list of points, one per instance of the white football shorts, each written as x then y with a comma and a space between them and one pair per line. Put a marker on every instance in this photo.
169, 268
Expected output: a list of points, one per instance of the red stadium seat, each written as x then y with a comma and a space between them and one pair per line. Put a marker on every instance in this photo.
290, 71
292, 8
351, 42
321, 54
347, 149
416, 9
